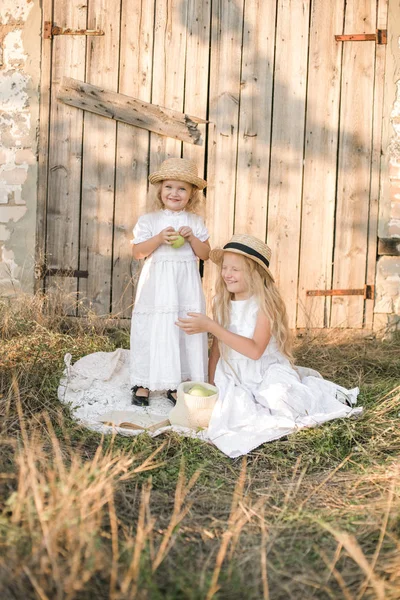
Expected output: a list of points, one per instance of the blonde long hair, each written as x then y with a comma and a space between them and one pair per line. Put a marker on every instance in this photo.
194, 204
268, 298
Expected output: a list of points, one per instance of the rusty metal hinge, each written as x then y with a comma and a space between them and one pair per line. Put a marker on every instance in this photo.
367, 292
49, 30
380, 37
41, 271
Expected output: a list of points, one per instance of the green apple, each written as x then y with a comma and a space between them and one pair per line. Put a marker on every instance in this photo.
199, 390
178, 242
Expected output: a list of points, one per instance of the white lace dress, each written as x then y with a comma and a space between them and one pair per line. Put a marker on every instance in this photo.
162, 356
262, 400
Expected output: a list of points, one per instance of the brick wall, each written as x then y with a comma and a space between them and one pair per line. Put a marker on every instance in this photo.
19, 101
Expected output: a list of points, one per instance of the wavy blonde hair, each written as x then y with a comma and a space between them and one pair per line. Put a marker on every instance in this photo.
266, 293
194, 205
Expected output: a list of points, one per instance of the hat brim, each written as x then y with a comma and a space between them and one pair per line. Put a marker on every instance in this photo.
176, 176
217, 255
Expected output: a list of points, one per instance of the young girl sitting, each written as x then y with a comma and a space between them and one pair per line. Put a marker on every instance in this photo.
262, 396
171, 239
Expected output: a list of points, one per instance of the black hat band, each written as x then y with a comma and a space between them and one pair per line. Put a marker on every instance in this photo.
247, 250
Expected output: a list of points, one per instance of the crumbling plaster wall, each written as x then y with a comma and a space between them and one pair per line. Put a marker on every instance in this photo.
20, 22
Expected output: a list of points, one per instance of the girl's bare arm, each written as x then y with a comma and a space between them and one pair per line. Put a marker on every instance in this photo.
251, 347
201, 249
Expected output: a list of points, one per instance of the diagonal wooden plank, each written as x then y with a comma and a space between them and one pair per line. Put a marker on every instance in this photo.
130, 110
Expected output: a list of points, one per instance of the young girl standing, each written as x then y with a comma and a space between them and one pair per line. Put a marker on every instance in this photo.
169, 285
262, 396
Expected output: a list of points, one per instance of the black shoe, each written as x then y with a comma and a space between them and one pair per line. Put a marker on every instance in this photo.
139, 400
171, 397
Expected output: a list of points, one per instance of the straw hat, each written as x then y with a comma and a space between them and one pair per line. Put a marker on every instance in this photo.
247, 245
193, 411
178, 169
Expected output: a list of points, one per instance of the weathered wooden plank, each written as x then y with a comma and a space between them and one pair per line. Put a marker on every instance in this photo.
391, 77
380, 60
44, 133
132, 148
168, 87
99, 161
65, 155
196, 72
130, 110
321, 139
354, 165
226, 39
285, 186
256, 81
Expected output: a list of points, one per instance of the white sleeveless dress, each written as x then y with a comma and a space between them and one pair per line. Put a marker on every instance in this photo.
162, 356
262, 400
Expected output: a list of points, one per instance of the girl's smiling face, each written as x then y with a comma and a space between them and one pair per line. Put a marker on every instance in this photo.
175, 194
232, 272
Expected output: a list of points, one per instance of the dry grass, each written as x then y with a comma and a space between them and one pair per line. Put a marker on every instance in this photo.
315, 515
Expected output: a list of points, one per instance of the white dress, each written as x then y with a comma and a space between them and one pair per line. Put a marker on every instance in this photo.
162, 356
262, 400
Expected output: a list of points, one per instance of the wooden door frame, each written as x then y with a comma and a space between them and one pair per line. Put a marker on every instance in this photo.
43, 142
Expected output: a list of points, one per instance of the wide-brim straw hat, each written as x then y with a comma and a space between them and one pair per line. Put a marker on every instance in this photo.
247, 245
190, 411
178, 169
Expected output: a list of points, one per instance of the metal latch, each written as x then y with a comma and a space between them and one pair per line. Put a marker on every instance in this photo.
380, 37
367, 292
49, 30
41, 271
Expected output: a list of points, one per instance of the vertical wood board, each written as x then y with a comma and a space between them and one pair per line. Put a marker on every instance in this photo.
132, 149
168, 72
196, 74
354, 161
65, 161
380, 58
43, 145
225, 68
285, 185
99, 161
256, 81
321, 141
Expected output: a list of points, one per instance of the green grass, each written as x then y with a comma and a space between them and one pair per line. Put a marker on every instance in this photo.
313, 515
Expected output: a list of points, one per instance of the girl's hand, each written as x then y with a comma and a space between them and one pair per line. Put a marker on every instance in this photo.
168, 236
186, 232
198, 323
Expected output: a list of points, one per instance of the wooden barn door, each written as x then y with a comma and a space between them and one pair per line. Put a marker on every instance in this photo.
291, 147
342, 148
93, 172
